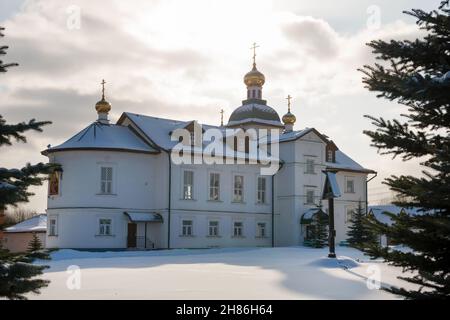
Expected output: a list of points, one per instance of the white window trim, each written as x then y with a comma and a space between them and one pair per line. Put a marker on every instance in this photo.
182, 228
266, 200
310, 159
98, 234
208, 234
193, 185
114, 182
347, 209
242, 229
208, 177
307, 190
56, 218
257, 233
346, 181
238, 174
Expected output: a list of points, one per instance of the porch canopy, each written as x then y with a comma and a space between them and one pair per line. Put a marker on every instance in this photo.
308, 216
144, 216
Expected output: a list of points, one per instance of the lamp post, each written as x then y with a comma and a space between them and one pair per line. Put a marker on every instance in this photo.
331, 191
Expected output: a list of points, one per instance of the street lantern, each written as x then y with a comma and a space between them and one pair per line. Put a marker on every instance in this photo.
331, 191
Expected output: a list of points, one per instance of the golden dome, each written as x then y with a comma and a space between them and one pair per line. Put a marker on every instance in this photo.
254, 78
289, 118
103, 106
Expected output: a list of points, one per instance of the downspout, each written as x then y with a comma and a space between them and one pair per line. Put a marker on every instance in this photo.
367, 192
170, 200
273, 205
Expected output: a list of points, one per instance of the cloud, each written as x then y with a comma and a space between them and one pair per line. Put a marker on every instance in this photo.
185, 60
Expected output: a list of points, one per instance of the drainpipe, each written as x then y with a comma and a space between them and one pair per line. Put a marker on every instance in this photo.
170, 200
273, 205
367, 192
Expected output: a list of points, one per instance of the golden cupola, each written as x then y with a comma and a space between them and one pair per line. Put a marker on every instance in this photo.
289, 119
254, 78
103, 107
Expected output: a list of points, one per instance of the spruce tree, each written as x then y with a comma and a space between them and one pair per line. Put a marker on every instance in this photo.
416, 74
36, 249
319, 236
360, 234
17, 271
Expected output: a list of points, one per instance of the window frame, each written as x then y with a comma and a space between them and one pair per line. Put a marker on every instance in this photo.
239, 234
260, 234
261, 193
214, 187
102, 232
310, 165
235, 199
211, 227
111, 181
307, 197
186, 227
184, 185
55, 232
352, 189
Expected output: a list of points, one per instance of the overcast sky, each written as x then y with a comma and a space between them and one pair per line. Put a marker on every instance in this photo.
186, 60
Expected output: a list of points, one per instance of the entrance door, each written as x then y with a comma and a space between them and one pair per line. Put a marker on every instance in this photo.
132, 233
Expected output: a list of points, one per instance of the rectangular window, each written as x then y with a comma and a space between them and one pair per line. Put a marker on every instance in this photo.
104, 227
213, 229
238, 229
349, 215
188, 185
106, 180
52, 227
187, 228
261, 230
330, 155
261, 198
310, 196
214, 186
350, 186
309, 166
238, 188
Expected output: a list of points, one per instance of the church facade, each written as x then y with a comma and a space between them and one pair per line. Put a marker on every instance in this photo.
119, 186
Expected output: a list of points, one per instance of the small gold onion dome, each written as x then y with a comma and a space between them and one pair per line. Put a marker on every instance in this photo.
103, 106
289, 118
254, 78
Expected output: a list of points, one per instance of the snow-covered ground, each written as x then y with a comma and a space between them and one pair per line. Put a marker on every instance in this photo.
237, 273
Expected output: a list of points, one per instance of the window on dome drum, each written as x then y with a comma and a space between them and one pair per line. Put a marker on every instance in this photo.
52, 227
261, 197
214, 186
261, 230
106, 180
237, 229
104, 228
188, 185
213, 229
238, 189
310, 197
350, 186
310, 166
186, 229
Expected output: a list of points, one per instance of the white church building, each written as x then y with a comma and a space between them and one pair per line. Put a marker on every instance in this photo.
119, 186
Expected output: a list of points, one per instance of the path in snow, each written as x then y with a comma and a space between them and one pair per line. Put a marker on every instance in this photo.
237, 273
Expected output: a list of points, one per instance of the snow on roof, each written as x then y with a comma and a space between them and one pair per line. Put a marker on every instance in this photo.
344, 162
378, 210
144, 216
104, 136
309, 214
331, 186
35, 224
159, 131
